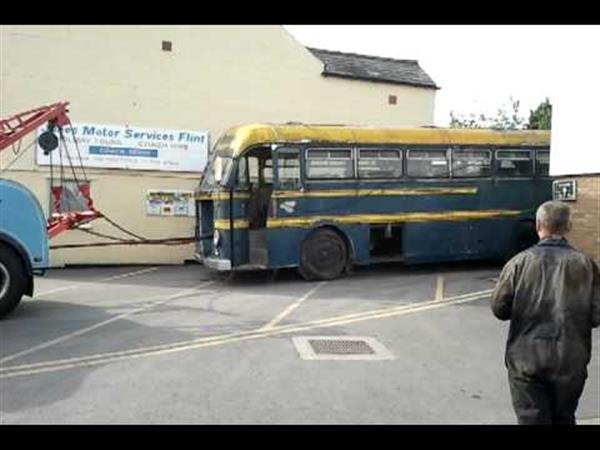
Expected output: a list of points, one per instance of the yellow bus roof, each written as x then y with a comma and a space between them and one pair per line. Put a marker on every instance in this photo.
243, 137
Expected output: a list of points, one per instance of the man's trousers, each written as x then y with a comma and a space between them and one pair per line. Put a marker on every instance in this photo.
545, 402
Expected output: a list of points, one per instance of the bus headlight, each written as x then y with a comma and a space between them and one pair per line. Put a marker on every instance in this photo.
216, 238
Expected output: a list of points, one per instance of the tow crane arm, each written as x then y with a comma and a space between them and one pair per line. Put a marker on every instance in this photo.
14, 128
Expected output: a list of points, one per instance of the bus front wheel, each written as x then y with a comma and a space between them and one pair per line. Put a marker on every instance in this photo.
12, 280
323, 255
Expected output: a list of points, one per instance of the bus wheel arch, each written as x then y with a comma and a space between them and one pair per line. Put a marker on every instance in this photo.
14, 282
326, 253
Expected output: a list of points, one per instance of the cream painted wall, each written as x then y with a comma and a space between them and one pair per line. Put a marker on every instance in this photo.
215, 77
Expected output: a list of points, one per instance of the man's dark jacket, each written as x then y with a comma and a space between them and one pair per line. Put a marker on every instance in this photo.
551, 294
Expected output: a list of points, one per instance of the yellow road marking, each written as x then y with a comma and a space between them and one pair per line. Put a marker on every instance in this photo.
111, 278
439, 288
86, 361
66, 337
292, 307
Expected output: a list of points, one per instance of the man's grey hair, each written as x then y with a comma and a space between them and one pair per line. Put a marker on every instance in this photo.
554, 217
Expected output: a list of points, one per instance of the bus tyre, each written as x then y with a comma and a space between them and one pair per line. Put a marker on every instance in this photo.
323, 255
12, 280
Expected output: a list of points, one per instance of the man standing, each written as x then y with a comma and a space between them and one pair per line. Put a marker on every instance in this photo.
551, 295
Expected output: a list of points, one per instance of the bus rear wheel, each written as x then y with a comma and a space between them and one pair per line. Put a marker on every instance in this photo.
12, 280
323, 255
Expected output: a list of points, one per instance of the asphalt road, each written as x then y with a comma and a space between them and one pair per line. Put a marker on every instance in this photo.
183, 345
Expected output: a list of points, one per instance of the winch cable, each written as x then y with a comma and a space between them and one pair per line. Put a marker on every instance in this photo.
19, 155
102, 235
64, 145
124, 230
169, 241
77, 148
139, 240
51, 173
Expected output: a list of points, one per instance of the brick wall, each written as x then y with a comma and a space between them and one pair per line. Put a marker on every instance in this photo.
585, 234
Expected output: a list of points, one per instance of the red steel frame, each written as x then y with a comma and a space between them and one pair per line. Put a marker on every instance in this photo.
14, 128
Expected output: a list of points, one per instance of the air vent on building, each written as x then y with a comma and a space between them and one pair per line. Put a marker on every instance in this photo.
392, 99
167, 46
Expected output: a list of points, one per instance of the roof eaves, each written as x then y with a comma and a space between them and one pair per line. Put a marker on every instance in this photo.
358, 55
379, 80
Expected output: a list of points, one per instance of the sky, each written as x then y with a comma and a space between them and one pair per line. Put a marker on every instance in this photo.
478, 68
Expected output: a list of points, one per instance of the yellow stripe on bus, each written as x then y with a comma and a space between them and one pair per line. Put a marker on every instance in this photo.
223, 224
353, 219
222, 195
376, 192
390, 218
347, 193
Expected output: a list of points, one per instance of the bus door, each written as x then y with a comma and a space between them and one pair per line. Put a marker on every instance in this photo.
260, 178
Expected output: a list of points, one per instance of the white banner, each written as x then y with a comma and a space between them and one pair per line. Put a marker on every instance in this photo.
133, 148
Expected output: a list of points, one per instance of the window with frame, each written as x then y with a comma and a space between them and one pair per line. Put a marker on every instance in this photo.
242, 173
329, 163
268, 170
253, 169
288, 168
542, 163
514, 163
379, 163
427, 163
471, 163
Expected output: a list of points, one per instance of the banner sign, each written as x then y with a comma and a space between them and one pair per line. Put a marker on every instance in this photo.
133, 148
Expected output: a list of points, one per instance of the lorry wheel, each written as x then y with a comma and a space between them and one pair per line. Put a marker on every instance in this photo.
323, 255
12, 280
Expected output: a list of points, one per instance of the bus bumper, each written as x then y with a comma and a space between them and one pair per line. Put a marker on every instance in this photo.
214, 263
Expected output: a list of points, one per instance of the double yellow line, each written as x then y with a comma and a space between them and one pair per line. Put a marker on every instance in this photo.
104, 358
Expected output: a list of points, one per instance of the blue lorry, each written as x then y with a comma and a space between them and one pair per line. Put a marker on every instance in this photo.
23, 243
24, 230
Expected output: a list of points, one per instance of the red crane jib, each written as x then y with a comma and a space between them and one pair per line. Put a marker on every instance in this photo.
14, 128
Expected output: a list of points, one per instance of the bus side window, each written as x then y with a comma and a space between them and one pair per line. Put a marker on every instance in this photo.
288, 168
427, 163
379, 163
268, 171
329, 164
242, 173
514, 163
471, 163
542, 163
253, 170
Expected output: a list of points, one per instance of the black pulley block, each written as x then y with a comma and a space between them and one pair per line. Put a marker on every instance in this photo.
48, 141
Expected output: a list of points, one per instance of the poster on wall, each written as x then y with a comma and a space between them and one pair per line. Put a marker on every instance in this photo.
164, 202
133, 148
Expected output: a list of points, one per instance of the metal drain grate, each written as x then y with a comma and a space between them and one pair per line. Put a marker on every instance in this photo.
340, 347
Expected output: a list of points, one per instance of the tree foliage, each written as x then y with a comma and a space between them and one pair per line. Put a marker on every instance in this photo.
507, 118
541, 117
